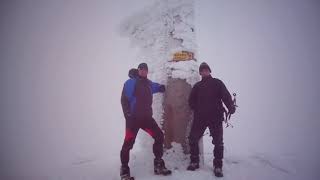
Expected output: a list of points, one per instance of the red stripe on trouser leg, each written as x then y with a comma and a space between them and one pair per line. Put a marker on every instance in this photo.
129, 135
150, 132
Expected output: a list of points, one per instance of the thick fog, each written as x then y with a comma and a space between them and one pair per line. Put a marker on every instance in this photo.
63, 65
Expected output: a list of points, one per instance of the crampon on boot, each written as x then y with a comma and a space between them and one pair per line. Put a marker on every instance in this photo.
125, 173
218, 172
193, 166
160, 168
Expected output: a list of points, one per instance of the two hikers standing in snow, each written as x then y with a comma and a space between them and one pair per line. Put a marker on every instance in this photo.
205, 100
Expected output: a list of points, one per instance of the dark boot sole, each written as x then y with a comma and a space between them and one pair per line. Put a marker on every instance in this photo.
128, 178
219, 175
193, 168
162, 173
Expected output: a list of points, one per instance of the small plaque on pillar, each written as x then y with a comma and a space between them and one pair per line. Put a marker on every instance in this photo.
183, 56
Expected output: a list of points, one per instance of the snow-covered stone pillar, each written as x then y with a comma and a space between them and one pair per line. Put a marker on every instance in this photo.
165, 33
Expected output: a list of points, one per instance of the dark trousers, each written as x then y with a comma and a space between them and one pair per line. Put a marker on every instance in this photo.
216, 131
150, 126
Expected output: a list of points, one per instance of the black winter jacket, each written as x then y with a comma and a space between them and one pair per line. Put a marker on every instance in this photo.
206, 99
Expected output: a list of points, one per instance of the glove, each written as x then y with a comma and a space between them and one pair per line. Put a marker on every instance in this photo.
129, 120
127, 116
232, 109
162, 88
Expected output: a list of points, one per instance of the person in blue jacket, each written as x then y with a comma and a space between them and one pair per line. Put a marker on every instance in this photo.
136, 101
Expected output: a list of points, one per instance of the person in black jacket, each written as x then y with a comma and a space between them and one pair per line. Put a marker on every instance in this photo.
206, 100
136, 101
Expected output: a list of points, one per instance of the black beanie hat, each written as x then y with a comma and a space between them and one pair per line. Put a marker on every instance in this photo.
133, 73
143, 66
204, 66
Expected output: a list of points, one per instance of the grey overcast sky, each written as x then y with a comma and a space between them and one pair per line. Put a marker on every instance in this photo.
63, 65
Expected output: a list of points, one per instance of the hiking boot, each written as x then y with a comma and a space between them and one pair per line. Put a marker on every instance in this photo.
218, 172
125, 173
160, 168
193, 166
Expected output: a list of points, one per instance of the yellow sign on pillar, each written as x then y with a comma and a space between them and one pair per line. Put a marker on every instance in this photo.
183, 56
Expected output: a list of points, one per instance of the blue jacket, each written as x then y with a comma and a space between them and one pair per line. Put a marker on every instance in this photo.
136, 98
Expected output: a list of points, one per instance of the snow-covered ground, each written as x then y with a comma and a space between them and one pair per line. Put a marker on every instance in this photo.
236, 166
